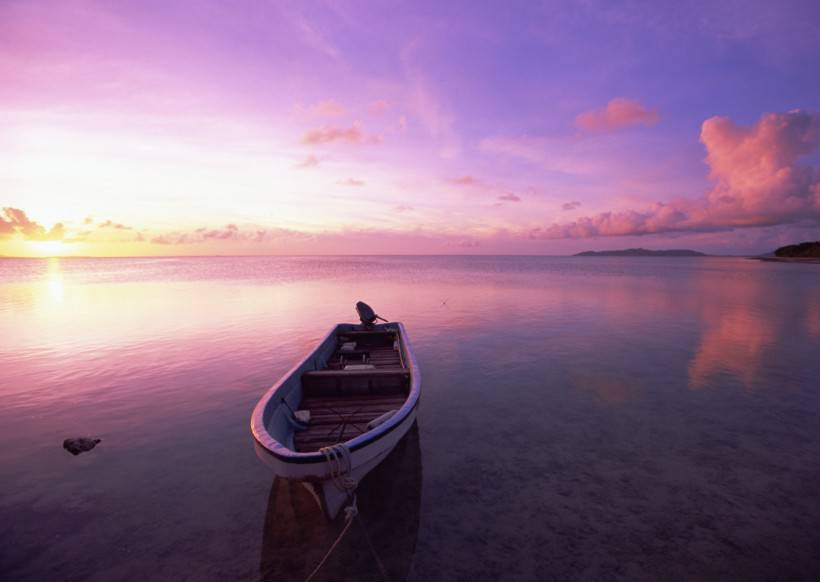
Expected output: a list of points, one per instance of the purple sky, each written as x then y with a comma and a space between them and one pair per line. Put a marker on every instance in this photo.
272, 127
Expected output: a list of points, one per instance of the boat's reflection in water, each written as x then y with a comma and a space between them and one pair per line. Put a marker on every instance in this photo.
297, 535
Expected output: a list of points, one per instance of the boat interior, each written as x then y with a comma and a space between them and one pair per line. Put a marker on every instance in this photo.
364, 381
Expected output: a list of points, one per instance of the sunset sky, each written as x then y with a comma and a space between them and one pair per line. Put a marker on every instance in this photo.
176, 128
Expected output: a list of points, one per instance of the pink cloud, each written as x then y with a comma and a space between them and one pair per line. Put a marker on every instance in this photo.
14, 221
509, 197
758, 179
172, 238
464, 181
379, 107
231, 232
309, 162
570, 205
352, 182
328, 108
115, 225
619, 112
274, 234
351, 135
758, 182
659, 218
403, 208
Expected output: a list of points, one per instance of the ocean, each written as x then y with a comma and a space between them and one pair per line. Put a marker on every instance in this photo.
582, 418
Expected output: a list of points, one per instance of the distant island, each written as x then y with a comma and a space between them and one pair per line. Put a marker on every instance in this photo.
805, 252
642, 253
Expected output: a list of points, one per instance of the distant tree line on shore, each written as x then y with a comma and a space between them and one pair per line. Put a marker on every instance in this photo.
801, 250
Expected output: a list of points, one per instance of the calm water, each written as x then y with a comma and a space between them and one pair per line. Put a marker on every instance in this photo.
581, 418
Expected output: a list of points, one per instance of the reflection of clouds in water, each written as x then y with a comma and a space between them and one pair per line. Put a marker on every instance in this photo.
736, 344
746, 322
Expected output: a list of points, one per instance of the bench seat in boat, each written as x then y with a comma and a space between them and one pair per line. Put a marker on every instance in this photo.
354, 382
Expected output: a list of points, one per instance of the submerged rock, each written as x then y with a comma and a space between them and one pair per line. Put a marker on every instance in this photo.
79, 445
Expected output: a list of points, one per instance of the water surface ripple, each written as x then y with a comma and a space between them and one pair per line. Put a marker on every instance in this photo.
581, 419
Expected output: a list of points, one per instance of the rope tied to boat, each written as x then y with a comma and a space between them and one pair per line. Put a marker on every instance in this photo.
340, 464
351, 510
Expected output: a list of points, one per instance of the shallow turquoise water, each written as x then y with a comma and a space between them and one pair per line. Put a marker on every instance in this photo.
581, 418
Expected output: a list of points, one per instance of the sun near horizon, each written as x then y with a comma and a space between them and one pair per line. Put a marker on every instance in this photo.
134, 130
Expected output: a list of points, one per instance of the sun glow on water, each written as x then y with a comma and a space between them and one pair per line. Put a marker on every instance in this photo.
54, 281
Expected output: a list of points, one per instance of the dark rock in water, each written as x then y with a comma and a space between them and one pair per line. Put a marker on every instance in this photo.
79, 445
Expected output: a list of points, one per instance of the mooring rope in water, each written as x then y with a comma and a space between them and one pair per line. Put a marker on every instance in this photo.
351, 513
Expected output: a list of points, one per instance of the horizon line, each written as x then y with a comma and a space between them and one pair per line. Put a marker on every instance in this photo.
346, 255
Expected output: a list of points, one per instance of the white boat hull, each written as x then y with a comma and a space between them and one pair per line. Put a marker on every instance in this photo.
317, 478
366, 451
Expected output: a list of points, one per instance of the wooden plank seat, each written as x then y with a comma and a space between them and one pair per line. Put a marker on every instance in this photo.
380, 357
370, 352
374, 373
354, 382
361, 417
322, 412
368, 339
364, 333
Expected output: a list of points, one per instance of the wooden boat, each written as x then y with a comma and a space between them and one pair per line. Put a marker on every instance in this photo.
339, 412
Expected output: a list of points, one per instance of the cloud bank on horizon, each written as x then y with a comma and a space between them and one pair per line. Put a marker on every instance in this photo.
14, 221
758, 182
347, 127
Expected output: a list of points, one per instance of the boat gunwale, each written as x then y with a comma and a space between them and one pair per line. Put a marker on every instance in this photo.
287, 455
